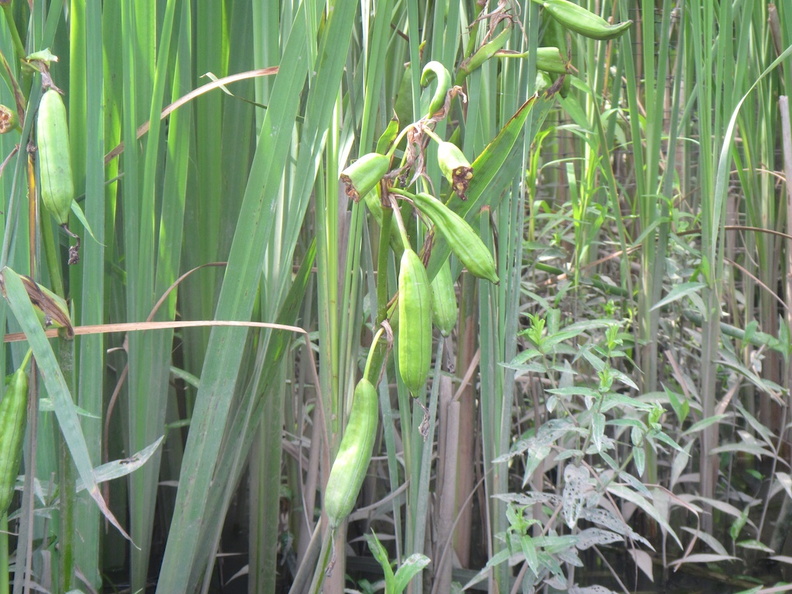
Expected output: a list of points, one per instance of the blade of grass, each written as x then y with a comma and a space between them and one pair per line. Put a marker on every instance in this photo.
56, 386
219, 376
149, 362
90, 276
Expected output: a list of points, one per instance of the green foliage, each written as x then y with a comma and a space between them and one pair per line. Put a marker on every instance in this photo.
621, 385
596, 436
396, 583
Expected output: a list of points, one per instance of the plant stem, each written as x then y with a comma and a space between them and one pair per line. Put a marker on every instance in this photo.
4, 582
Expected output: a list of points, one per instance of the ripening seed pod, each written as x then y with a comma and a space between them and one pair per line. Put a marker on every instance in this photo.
13, 420
354, 454
55, 170
444, 303
455, 167
550, 59
462, 239
365, 173
415, 322
583, 21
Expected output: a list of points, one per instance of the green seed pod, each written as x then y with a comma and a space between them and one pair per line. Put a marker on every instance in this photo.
455, 167
13, 420
55, 170
550, 59
444, 303
415, 322
354, 454
554, 34
462, 239
582, 21
365, 173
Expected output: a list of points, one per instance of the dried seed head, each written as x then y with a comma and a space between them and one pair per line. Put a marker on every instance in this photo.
50, 307
8, 119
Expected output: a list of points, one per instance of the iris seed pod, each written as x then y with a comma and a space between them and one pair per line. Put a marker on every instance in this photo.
444, 303
13, 420
455, 167
583, 21
550, 59
55, 170
462, 239
354, 454
415, 322
365, 173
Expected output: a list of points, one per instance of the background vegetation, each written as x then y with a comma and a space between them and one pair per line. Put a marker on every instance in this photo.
615, 409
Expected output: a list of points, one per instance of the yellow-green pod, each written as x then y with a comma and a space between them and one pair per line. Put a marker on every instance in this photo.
55, 171
462, 239
13, 421
444, 303
415, 322
354, 454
